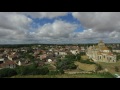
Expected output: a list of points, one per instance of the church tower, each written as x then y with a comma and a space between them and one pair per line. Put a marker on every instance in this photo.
101, 44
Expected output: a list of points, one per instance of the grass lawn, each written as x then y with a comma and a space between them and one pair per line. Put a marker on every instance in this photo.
66, 76
86, 67
111, 66
84, 57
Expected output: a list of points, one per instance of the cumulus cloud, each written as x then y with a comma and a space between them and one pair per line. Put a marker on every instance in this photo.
13, 26
14, 21
102, 24
57, 29
99, 21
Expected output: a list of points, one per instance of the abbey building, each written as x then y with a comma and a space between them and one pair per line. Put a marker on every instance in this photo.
100, 53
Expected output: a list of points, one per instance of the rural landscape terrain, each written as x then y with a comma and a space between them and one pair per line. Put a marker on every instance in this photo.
55, 61
59, 44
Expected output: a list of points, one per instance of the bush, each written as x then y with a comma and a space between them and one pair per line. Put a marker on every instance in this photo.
99, 67
22, 70
118, 57
7, 72
54, 72
61, 71
66, 64
31, 70
71, 57
78, 57
107, 74
82, 53
72, 66
86, 61
43, 71
116, 69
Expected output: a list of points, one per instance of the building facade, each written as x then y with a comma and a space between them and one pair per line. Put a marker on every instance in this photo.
100, 53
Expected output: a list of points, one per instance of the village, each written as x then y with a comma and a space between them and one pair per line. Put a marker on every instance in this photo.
51, 55
11, 57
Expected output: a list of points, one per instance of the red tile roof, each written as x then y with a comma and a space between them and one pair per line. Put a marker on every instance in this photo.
7, 62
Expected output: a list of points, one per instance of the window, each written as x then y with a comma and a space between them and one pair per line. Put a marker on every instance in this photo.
110, 58
104, 56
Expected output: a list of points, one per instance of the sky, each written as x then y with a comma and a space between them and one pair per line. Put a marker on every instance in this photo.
59, 27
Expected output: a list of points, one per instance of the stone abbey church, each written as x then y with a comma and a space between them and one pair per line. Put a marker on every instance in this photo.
100, 53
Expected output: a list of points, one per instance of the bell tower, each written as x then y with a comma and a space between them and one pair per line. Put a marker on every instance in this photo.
101, 44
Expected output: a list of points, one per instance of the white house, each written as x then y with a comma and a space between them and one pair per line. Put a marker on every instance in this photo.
49, 60
74, 51
62, 53
1, 60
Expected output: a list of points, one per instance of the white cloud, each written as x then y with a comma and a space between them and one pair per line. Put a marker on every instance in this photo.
13, 26
104, 25
57, 29
45, 14
99, 21
14, 21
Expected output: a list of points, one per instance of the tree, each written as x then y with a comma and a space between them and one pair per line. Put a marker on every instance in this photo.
118, 57
66, 64
7, 72
78, 56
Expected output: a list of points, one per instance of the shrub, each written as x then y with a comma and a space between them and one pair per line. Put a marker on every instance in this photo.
107, 74
86, 61
66, 64
43, 71
54, 72
22, 70
31, 70
61, 71
7, 72
116, 69
118, 57
99, 67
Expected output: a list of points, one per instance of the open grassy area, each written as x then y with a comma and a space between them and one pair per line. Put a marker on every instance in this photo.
111, 66
66, 76
84, 57
85, 67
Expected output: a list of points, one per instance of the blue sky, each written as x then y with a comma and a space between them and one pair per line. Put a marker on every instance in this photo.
59, 27
68, 18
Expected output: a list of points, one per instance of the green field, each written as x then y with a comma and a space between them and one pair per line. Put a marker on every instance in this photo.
111, 66
67, 76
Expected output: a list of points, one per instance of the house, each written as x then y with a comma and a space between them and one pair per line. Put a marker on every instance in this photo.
117, 49
43, 56
76, 51
13, 56
62, 53
8, 64
82, 49
1, 60
49, 60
